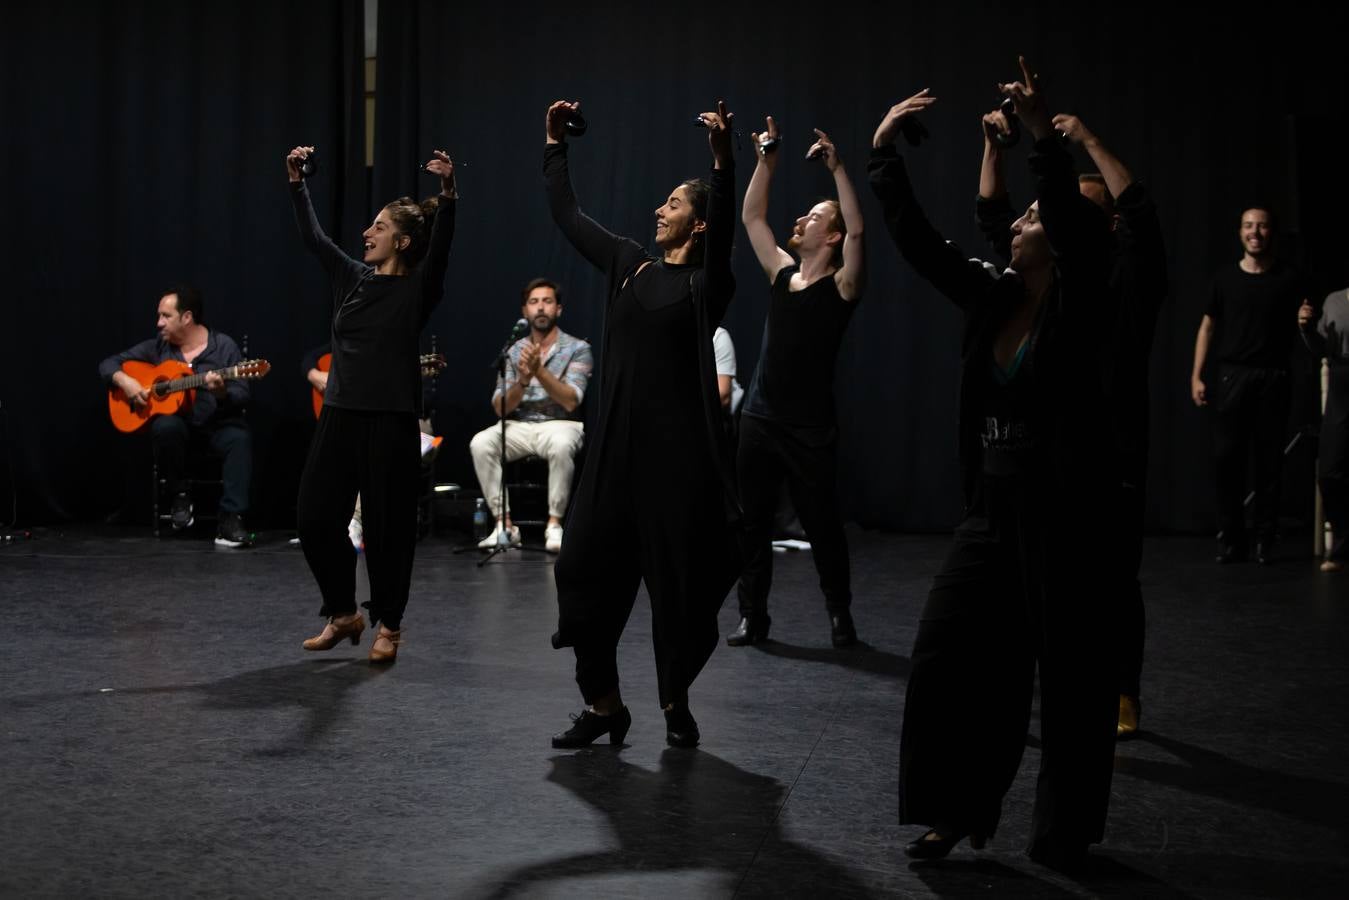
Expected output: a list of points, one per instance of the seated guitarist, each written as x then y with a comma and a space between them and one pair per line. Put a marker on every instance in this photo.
216, 414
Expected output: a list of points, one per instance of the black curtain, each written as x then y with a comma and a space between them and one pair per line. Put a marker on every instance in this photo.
1199, 108
145, 146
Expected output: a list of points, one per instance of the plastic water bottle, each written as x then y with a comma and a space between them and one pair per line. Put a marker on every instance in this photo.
482, 520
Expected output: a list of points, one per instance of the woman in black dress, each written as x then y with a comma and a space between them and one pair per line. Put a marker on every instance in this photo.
367, 439
656, 500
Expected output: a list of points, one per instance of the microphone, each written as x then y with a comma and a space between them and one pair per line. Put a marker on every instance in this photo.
576, 123
309, 165
520, 330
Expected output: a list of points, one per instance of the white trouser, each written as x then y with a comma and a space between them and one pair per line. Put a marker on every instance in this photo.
557, 442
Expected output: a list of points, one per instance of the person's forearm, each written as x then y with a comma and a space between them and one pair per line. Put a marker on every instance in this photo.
561, 393
755, 207
991, 181
1116, 174
848, 204
1201, 342
514, 394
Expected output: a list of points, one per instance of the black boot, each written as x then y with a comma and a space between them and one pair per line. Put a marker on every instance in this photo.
841, 629
680, 729
751, 630
590, 725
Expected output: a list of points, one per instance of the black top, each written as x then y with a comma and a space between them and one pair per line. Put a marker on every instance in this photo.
658, 383
794, 381
377, 319
1075, 461
1255, 316
1006, 399
221, 352
1138, 279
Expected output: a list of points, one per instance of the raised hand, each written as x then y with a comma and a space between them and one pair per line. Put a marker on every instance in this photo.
889, 127
718, 125
441, 164
1028, 97
555, 120
824, 149
995, 125
1073, 129
295, 159
770, 133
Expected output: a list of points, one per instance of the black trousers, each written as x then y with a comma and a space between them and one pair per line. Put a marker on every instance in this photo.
1249, 433
665, 527
376, 455
231, 442
1131, 621
1009, 598
769, 454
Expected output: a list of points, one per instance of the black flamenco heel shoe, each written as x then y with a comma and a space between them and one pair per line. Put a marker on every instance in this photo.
680, 728
935, 845
589, 726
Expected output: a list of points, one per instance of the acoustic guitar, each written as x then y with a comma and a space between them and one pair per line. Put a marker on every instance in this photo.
172, 386
432, 364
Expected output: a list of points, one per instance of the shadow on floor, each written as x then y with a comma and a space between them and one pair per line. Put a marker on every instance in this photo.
695, 813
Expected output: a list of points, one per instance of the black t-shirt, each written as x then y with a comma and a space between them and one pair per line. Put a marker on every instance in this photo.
1255, 316
794, 381
377, 319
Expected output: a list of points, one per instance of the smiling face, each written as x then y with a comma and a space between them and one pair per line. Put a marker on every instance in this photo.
676, 220
1030, 247
383, 240
1257, 232
817, 228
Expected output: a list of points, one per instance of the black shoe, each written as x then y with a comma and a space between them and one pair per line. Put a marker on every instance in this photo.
1263, 552
1229, 554
841, 629
232, 532
938, 847
751, 630
1068, 859
680, 729
182, 511
589, 726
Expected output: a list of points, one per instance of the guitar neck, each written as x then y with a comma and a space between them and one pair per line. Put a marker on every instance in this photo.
192, 382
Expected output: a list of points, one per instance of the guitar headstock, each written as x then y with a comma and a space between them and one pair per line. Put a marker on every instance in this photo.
432, 363
252, 368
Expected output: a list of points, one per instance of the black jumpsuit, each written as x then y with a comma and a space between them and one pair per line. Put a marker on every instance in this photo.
656, 498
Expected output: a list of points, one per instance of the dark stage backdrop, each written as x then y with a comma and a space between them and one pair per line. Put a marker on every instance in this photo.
189, 128
145, 145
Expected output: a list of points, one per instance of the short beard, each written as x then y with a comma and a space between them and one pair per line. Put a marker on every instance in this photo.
794, 243
552, 323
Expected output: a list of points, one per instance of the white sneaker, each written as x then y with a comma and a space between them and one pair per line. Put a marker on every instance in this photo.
552, 538
357, 534
490, 541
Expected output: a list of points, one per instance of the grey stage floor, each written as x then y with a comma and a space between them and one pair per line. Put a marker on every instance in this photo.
162, 734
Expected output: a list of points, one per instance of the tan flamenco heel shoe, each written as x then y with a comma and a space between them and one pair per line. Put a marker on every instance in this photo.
384, 648
334, 632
